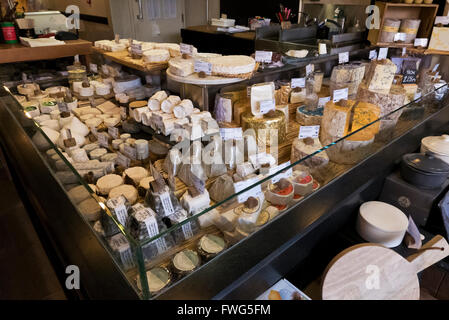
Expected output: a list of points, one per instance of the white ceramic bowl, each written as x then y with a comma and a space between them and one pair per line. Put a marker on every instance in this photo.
381, 223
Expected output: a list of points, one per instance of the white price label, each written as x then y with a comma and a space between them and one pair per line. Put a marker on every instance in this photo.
436, 67
372, 54
103, 140
383, 52
281, 175
231, 133
322, 48
151, 224
122, 160
298, 83
309, 132
255, 192
113, 132
399, 36
187, 230
186, 48
93, 68
130, 152
421, 42
343, 57
404, 51
203, 66
266, 106
322, 101
264, 56
167, 204
310, 68
340, 94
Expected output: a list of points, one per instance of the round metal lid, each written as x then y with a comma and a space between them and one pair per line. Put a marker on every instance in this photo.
426, 163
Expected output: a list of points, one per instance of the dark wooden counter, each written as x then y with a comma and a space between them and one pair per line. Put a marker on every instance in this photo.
208, 39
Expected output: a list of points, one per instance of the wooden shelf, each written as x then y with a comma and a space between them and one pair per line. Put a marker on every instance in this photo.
10, 53
394, 44
121, 57
427, 51
424, 12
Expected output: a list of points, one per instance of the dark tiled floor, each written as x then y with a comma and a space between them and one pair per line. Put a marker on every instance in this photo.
25, 270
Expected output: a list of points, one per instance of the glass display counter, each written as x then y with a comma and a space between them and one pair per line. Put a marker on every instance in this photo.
166, 240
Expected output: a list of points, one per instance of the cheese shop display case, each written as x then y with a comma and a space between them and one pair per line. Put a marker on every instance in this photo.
156, 198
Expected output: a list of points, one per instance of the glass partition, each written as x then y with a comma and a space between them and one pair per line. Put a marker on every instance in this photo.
161, 231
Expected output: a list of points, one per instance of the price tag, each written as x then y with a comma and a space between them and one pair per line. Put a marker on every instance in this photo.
372, 54
113, 132
441, 20
122, 160
309, 132
103, 140
281, 175
186, 49
399, 36
436, 67
404, 51
322, 101
136, 48
167, 204
93, 68
322, 48
383, 52
340, 94
187, 230
264, 56
343, 57
409, 76
231, 133
298, 83
310, 68
266, 106
130, 152
421, 42
255, 192
202, 66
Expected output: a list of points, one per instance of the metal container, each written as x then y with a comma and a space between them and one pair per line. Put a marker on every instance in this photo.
424, 170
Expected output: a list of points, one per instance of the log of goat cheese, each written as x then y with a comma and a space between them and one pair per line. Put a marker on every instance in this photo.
169, 104
155, 101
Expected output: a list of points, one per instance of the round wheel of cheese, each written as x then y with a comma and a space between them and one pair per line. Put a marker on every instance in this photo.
129, 192
90, 209
108, 182
136, 174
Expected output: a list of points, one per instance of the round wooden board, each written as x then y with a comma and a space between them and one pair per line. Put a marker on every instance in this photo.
370, 272
209, 80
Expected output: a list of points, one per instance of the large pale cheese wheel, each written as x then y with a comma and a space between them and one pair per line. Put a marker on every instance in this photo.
108, 182
181, 67
232, 66
78, 194
129, 192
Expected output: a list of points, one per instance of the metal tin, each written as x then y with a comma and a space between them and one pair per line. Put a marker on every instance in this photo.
424, 170
185, 262
158, 279
209, 246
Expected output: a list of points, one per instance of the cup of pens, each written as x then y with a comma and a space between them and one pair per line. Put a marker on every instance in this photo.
284, 17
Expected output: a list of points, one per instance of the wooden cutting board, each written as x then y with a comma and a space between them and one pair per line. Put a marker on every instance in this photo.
374, 272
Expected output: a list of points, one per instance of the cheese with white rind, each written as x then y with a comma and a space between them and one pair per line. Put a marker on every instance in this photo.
168, 104
90, 209
108, 182
129, 192
136, 174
